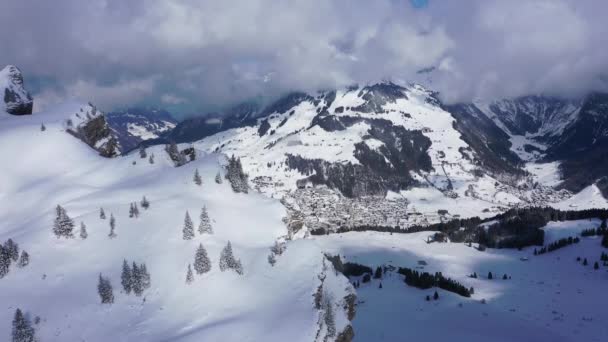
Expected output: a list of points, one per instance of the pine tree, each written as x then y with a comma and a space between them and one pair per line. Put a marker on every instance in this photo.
236, 176
189, 275
226, 258
585, 262
205, 225
137, 284
126, 277
504, 277
142, 152
24, 260
218, 178
5, 261
490, 275
146, 281
22, 329
83, 231
112, 226
596, 266
188, 230
436, 295
12, 248
378, 273
272, 260
151, 159
277, 248
104, 288
63, 225
102, 214
380, 286
202, 264
197, 178
144, 203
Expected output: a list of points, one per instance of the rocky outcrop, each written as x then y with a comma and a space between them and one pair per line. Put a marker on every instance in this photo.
16, 99
91, 127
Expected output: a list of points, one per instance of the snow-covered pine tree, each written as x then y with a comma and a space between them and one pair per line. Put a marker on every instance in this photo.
135, 209
145, 277
238, 267
5, 261
218, 178
126, 277
197, 178
188, 230
277, 248
142, 152
24, 259
83, 231
22, 329
202, 264
226, 257
145, 203
137, 284
102, 214
63, 225
12, 248
104, 288
227, 260
236, 176
151, 159
205, 225
189, 275
272, 260
112, 226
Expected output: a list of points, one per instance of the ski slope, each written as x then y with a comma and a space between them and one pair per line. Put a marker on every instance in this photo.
42, 169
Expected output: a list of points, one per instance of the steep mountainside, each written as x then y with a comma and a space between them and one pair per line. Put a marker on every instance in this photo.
134, 125
16, 100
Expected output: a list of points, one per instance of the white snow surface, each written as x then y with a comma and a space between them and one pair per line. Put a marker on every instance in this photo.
44, 168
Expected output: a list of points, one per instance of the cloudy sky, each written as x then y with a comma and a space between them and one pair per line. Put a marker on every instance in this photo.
193, 55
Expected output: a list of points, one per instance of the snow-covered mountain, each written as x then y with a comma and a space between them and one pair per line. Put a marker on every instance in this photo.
134, 125
336, 244
16, 99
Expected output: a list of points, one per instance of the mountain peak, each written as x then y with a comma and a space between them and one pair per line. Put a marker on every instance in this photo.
17, 100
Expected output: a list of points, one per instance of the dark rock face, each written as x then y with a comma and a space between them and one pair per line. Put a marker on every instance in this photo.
491, 144
378, 95
583, 146
404, 150
97, 134
17, 100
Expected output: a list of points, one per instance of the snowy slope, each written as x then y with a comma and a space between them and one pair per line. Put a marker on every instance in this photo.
51, 167
549, 297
